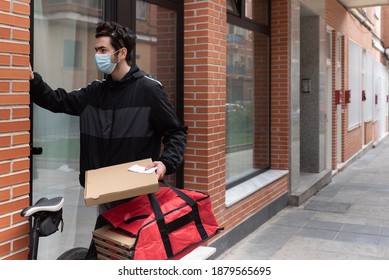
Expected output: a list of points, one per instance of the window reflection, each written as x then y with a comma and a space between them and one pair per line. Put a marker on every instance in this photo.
156, 47
260, 13
232, 6
247, 108
64, 55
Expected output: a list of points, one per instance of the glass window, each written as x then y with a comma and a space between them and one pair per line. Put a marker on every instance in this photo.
338, 49
329, 45
247, 104
72, 53
141, 10
95, 4
354, 75
232, 6
257, 10
56, 1
247, 107
367, 79
64, 55
338, 62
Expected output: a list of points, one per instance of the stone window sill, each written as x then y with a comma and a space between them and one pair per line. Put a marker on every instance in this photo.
245, 189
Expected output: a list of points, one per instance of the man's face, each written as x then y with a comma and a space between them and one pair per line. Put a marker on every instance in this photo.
103, 45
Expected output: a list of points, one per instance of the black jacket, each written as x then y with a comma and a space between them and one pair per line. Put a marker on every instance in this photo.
120, 121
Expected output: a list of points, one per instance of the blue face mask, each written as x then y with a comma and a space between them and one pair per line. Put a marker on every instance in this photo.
103, 62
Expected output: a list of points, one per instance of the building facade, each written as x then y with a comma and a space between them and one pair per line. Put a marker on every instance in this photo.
278, 96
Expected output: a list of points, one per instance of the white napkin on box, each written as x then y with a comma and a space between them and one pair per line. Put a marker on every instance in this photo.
142, 169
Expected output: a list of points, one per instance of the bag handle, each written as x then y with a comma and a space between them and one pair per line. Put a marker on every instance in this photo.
190, 201
195, 211
195, 216
161, 224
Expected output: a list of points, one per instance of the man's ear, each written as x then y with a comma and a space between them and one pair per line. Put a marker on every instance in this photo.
123, 53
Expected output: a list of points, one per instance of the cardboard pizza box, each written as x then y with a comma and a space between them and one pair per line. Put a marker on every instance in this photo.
117, 182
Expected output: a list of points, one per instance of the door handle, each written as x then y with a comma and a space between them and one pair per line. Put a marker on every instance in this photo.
36, 150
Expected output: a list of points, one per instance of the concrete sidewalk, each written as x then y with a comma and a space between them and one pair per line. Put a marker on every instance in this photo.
347, 219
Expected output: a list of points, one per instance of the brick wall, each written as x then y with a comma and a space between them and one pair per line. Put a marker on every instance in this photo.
165, 50
369, 132
342, 21
279, 86
261, 101
385, 25
14, 128
205, 98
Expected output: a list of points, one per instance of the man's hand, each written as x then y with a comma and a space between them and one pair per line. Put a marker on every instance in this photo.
161, 168
31, 72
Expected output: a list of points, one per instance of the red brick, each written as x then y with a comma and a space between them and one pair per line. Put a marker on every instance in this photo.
11, 206
17, 218
4, 86
23, 138
5, 249
19, 60
5, 59
13, 73
16, 48
5, 141
20, 165
13, 179
5, 114
14, 20
5, 195
20, 86
20, 8
22, 35
21, 243
5, 167
15, 126
14, 153
5, 221
5, 6
20, 190
18, 113
22, 255
14, 99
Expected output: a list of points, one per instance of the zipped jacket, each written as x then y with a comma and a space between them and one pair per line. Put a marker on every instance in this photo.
120, 121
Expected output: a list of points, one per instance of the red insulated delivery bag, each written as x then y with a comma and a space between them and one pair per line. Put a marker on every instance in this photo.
165, 223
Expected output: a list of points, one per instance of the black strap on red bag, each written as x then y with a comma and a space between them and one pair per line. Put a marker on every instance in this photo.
165, 229
195, 212
161, 224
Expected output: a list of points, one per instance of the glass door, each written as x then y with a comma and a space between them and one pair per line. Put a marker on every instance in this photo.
63, 54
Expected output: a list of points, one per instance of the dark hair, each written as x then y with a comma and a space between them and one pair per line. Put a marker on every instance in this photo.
121, 36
